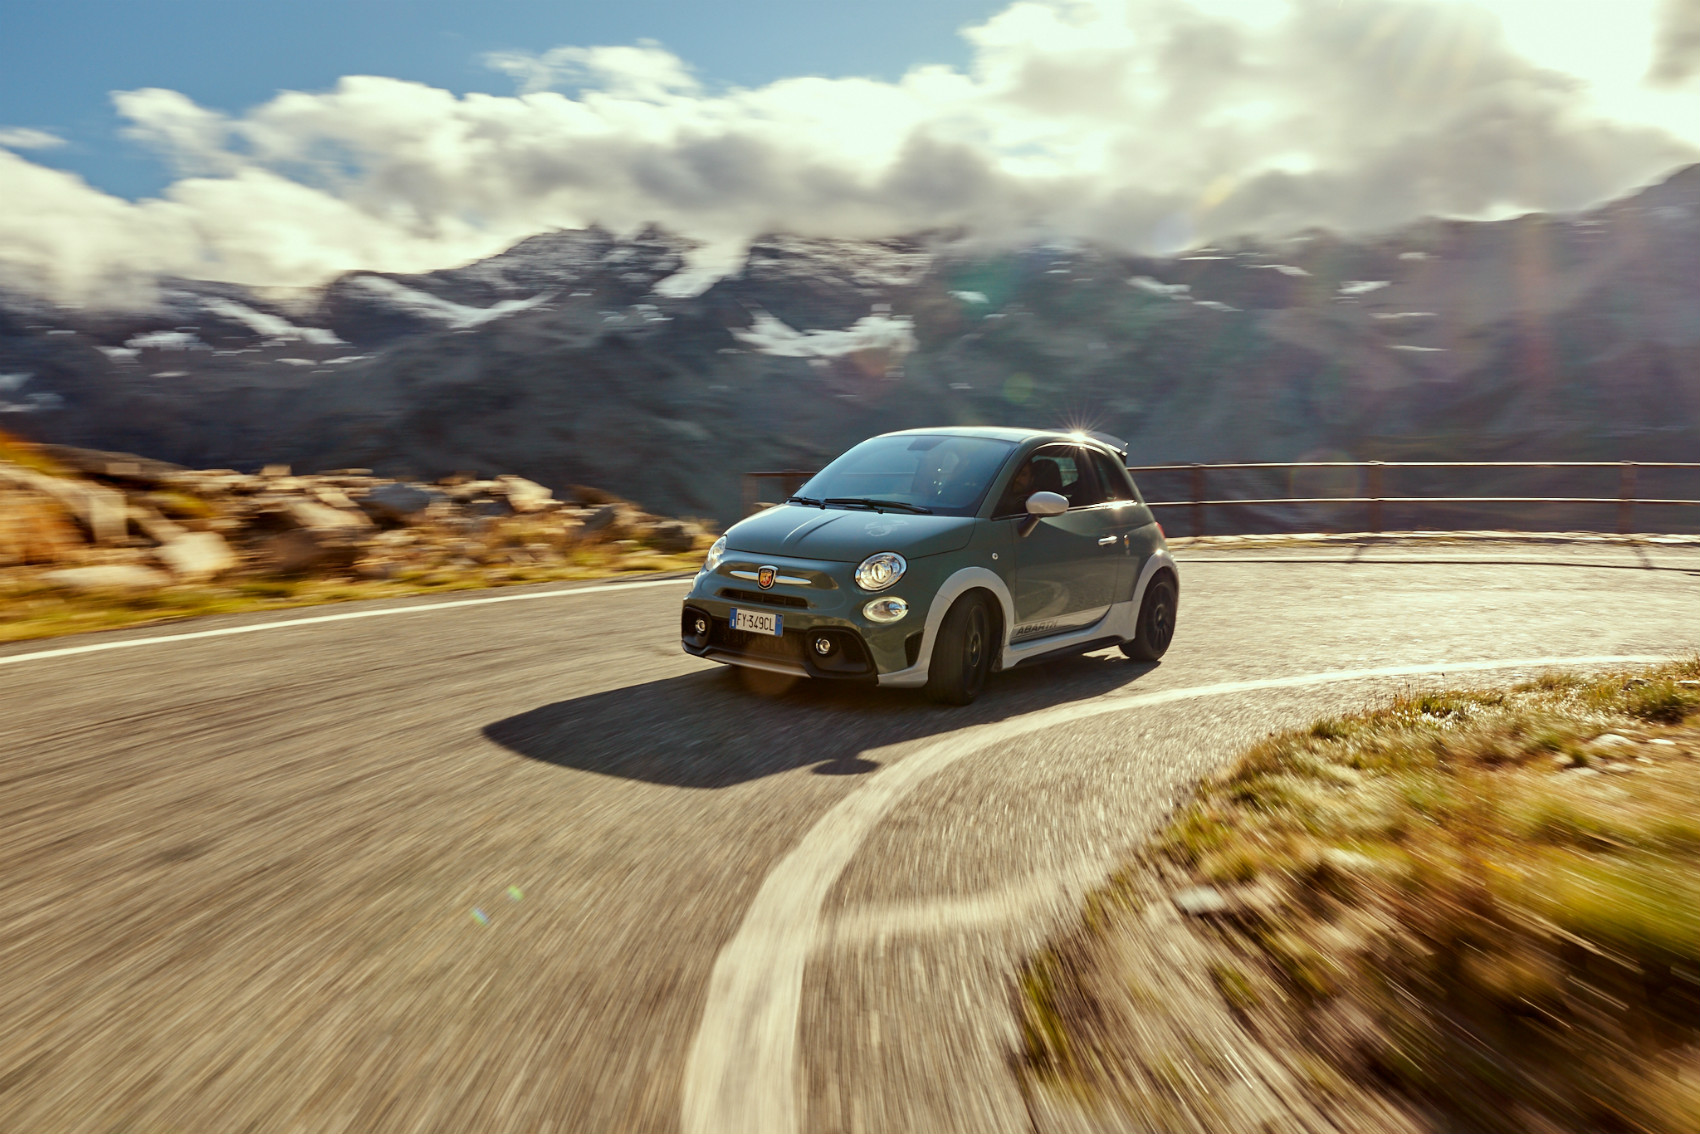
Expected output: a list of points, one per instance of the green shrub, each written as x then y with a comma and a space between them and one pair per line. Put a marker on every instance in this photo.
1662, 700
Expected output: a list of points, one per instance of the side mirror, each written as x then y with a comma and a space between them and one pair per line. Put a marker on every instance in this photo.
1047, 504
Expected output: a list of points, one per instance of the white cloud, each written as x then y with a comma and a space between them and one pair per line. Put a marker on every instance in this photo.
1148, 124
646, 71
24, 138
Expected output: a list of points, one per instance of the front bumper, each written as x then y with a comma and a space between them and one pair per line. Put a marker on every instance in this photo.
829, 605
794, 651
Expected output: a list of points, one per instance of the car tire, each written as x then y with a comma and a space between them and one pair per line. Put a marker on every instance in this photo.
1156, 626
962, 656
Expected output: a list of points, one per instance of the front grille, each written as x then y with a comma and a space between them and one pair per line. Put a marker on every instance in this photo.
763, 597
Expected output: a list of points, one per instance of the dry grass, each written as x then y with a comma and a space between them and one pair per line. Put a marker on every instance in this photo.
30, 608
1470, 911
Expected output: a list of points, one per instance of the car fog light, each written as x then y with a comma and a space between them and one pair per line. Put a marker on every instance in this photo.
886, 610
700, 626
823, 646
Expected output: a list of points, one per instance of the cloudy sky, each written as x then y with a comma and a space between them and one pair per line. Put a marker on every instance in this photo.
281, 141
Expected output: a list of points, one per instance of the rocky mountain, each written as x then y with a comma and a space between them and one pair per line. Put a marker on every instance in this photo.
573, 357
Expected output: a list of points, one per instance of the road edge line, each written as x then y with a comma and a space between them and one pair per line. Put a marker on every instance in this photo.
741, 1071
346, 616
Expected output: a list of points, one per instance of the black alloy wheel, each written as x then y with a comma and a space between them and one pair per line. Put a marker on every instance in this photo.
962, 656
1156, 627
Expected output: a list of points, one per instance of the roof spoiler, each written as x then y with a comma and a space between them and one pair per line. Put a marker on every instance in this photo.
1115, 443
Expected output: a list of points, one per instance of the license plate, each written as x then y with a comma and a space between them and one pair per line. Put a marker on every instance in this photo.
758, 622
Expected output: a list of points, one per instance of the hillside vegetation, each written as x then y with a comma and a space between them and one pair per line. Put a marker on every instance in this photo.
1463, 911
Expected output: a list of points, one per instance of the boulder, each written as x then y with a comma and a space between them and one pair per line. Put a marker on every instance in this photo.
112, 577
585, 494
303, 550
155, 526
113, 466
613, 521
526, 495
334, 497
34, 528
314, 516
196, 556
674, 537
397, 502
100, 510
1199, 901
465, 490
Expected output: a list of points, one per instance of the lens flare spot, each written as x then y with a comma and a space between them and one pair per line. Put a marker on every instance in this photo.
480, 917
515, 893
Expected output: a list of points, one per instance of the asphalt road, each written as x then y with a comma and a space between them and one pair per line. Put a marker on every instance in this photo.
524, 865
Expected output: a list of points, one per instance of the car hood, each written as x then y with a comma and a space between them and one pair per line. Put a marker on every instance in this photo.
846, 536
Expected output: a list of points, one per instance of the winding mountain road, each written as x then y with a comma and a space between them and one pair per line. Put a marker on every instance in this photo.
515, 862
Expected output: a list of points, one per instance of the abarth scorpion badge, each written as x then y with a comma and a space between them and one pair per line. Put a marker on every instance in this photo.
764, 577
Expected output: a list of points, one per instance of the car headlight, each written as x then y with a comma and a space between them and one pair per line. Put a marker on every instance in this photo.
886, 610
715, 554
880, 571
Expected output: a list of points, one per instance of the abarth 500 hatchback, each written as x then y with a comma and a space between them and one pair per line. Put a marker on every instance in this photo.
934, 557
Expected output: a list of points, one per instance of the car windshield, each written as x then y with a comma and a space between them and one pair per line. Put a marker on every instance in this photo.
943, 474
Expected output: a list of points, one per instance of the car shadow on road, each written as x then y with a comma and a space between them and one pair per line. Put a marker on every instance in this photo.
711, 729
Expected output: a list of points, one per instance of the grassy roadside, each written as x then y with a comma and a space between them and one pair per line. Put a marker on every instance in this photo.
30, 608
1464, 911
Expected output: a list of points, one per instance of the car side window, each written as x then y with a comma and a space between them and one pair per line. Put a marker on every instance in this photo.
1084, 490
1113, 477
1055, 468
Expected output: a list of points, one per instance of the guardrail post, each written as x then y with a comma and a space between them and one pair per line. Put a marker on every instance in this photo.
1626, 498
1374, 495
1197, 500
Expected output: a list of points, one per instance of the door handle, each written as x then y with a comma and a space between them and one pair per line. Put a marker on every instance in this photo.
1106, 541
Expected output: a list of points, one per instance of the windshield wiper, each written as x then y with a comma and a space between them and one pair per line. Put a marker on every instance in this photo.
879, 505
809, 500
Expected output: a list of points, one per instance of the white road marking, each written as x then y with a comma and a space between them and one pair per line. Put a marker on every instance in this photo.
1439, 561
741, 1074
346, 616
989, 909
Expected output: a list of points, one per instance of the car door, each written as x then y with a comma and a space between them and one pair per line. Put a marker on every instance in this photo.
1065, 572
1124, 515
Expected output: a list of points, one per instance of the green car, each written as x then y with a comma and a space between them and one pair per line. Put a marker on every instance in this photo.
934, 557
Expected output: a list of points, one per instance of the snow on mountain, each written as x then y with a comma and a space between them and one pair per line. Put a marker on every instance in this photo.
871, 332
270, 326
454, 315
1158, 287
165, 340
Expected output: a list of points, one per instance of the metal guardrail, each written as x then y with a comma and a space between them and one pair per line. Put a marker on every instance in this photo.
1373, 497
790, 480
